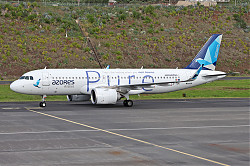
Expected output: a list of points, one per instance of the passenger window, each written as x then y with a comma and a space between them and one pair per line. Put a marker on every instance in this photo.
31, 78
27, 78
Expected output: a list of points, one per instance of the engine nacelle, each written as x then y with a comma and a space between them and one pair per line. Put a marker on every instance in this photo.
104, 96
78, 97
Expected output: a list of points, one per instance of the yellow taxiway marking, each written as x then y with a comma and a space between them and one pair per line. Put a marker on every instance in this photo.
131, 138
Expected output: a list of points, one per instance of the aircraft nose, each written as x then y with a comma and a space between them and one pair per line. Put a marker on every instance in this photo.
13, 86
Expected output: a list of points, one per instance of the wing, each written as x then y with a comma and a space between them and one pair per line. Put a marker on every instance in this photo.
126, 88
138, 87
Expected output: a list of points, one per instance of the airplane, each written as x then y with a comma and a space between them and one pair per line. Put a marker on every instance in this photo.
107, 86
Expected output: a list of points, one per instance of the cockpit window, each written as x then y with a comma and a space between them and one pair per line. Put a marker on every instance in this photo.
26, 78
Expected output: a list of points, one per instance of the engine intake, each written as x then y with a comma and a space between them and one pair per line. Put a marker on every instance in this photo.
104, 96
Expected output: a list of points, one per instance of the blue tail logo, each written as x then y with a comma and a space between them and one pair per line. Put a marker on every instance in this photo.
207, 57
37, 83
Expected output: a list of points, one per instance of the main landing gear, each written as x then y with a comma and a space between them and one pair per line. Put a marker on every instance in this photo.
43, 103
128, 103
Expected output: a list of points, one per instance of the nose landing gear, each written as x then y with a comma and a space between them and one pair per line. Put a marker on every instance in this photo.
43, 103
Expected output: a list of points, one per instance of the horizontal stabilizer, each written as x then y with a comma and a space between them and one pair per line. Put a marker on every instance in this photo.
215, 75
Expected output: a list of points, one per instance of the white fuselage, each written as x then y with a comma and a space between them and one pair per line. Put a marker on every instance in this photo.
81, 81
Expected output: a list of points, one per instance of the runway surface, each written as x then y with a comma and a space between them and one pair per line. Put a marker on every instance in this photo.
153, 132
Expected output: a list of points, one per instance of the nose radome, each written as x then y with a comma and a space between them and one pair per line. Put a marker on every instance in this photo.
13, 86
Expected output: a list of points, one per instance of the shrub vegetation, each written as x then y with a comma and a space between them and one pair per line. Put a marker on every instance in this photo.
34, 36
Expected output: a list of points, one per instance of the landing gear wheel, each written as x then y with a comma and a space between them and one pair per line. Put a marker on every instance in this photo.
125, 103
128, 103
42, 104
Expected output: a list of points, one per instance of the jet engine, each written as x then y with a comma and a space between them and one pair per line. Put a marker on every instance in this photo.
78, 97
104, 96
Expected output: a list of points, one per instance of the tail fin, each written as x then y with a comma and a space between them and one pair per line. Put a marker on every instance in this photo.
208, 54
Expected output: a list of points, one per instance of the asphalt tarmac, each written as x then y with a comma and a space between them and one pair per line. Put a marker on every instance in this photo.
154, 132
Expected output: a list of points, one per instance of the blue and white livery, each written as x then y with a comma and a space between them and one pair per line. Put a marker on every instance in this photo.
107, 86
208, 54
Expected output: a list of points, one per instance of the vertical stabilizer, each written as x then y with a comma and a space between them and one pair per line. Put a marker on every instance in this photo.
208, 54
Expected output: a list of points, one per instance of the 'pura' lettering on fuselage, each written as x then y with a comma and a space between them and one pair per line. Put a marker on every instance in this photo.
95, 77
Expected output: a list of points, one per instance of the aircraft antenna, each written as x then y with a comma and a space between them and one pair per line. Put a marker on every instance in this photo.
94, 52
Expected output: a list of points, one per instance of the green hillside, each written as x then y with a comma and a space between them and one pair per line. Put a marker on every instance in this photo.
33, 36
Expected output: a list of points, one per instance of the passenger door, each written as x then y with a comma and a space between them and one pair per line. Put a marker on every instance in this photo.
45, 79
